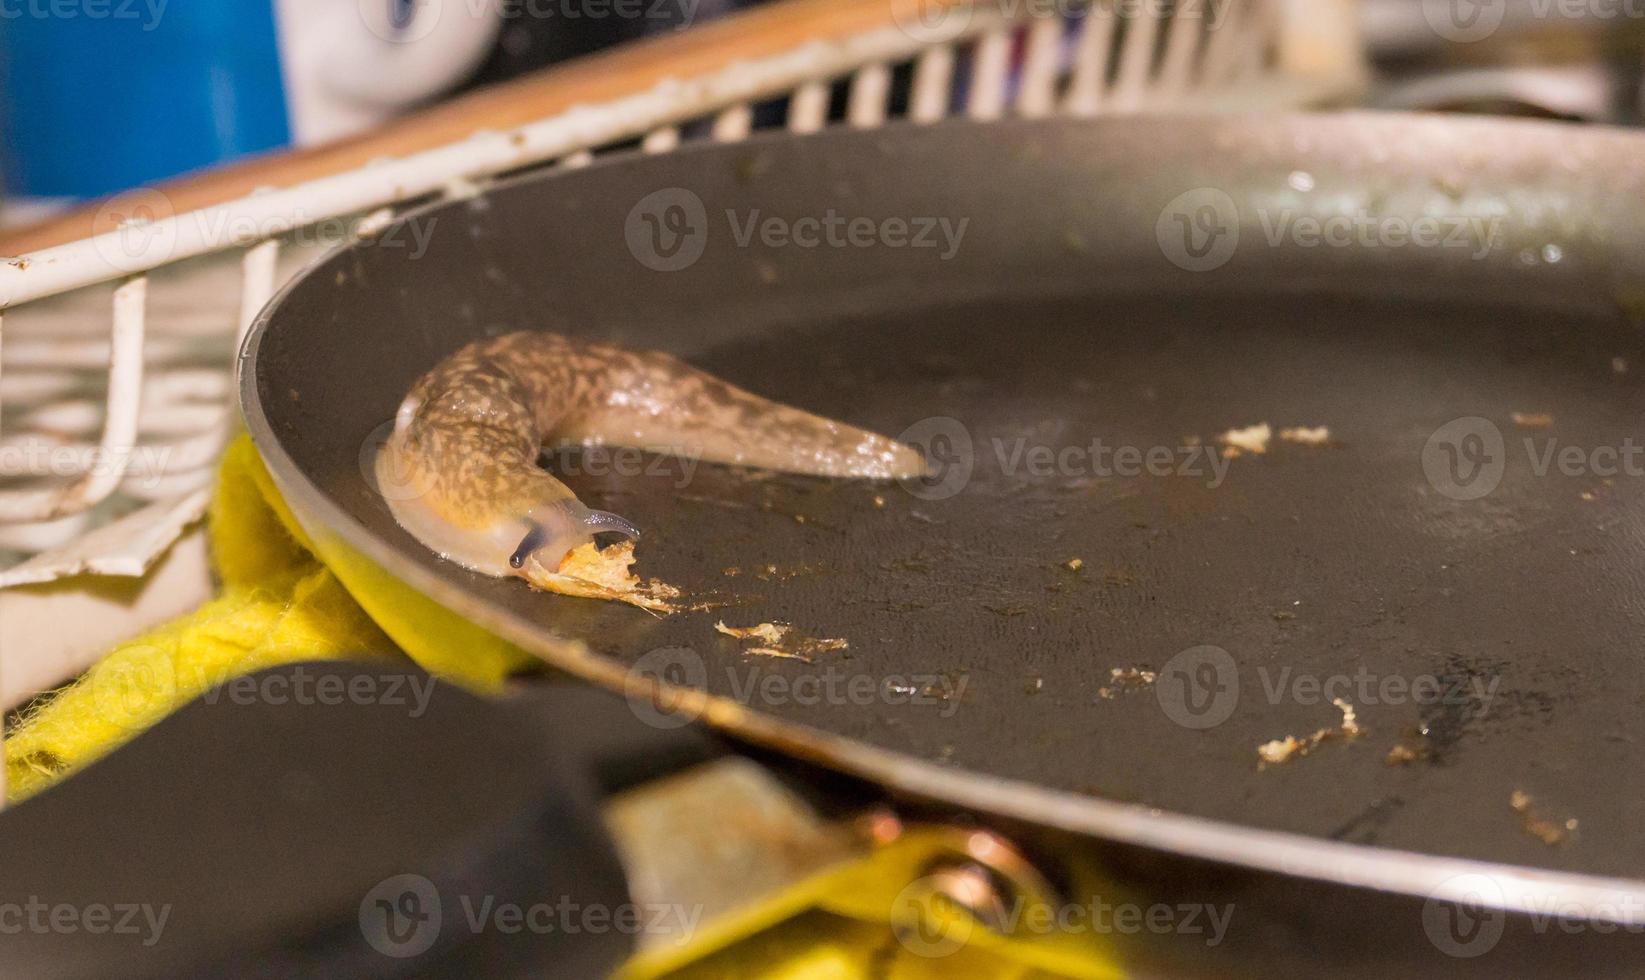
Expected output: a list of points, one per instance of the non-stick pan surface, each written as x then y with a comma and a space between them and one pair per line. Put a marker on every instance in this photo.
1088, 299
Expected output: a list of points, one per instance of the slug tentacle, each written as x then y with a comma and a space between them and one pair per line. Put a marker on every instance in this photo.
605, 522
466, 440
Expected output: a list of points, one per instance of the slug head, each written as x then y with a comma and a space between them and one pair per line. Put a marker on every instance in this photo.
497, 544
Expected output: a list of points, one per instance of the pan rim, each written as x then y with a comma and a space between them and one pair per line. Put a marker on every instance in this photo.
1522, 889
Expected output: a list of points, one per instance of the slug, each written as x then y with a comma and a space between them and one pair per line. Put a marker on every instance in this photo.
463, 452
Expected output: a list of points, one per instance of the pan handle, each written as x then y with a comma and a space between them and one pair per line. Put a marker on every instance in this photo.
331, 819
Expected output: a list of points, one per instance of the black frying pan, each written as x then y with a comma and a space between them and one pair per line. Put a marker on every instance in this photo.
1100, 291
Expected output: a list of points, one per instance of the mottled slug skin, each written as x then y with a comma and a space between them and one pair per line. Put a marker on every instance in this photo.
463, 455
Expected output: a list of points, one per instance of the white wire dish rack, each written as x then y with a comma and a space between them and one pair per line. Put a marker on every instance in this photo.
109, 435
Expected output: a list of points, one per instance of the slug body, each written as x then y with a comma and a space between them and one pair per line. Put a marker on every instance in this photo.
462, 458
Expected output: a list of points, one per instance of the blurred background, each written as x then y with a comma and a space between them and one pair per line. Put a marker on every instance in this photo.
103, 95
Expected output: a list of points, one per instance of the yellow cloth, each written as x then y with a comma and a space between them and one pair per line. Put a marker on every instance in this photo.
870, 918
280, 604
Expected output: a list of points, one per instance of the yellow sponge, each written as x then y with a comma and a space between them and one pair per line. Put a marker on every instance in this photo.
278, 605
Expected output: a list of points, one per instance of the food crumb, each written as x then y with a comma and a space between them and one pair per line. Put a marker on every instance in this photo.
1304, 436
779, 640
769, 632
1252, 438
1533, 420
1278, 751
777, 654
1619, 365
1125, 679
1412, 747
879, 501
782, 573
1283, 750
1350, 723
1402, 754
603, 573
1549, 832
1074, 564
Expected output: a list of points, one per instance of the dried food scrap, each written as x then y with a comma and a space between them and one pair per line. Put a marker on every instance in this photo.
1533, 420
1283, 750
1318, 435
1412, 747
782, 573
1251, 439
1122, 680
1402, 754
588, 572
779, 640
769, 632
1550, 832
1255, 438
